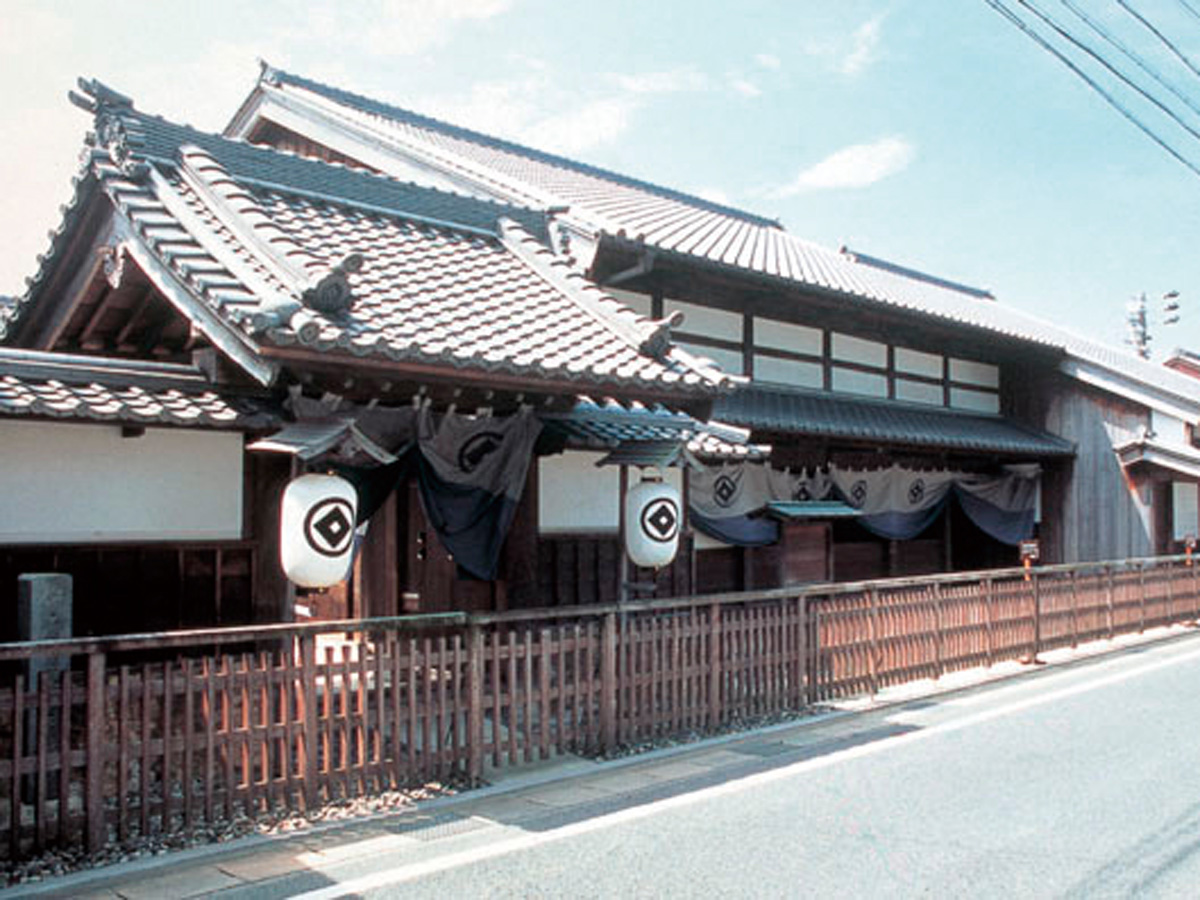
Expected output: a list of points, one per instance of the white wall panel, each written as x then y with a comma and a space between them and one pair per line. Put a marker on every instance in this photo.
707, 322
791, 372
784, 336
75, 483
852, 381
914, 362
574, 494
967, 371
1185, 509
856, 350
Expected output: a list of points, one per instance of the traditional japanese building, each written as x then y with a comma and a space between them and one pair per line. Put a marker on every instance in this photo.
340, 285
371, 321
857, 365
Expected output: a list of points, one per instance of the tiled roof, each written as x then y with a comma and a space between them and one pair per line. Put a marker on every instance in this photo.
140, 393
850, 419
631, 213
608, 425
625, 210
445, 280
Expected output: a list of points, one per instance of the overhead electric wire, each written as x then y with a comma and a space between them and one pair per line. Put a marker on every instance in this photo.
1112, 101
1184, 3
1142, 92
1170, 45
1133, 57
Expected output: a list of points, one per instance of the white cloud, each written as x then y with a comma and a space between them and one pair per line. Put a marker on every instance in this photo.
745, 87
386, 28
713, 195
768, 61
671, 81
856, 166
590, 125
864, 49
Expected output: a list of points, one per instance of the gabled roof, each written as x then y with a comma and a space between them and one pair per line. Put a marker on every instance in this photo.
630, 214
55, 385
261, 249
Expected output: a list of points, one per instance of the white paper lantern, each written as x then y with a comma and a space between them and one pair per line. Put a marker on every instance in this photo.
316, 529
653, 515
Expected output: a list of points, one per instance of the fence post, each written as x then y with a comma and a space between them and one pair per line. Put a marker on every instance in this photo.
939, 647
97, 829
714, 666
608, 682
1037, 618
308, 679
1074, 609
1108, 596
872, 625
991, 617
1142, 598
1195, 593
475, 663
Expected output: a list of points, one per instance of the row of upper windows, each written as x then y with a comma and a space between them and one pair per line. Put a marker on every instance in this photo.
801, 356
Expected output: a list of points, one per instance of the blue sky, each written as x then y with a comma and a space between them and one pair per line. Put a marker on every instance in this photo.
928, 132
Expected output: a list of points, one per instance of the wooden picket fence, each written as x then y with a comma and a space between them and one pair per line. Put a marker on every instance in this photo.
115, 739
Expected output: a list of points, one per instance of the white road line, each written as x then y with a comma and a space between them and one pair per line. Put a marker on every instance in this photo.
413, 871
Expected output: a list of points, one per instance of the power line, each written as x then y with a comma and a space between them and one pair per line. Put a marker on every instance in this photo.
1158, 34
1133, 57
1187, 6
1075, 42
1112, 101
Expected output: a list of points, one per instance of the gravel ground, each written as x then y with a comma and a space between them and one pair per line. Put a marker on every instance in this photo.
56, 862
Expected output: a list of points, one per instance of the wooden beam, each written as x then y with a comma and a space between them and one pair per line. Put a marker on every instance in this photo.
139, 309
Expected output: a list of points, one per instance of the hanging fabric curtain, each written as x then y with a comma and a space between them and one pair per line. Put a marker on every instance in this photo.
897, 503
722, 498
471, 476
1003, 507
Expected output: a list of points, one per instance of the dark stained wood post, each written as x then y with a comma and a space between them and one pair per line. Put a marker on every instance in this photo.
714, 665
940, 627
1037, 616
475, 664
1108, 600
308, 684
990, 604
97, 831
873, 635
608, 682
1142, 597
1074, 609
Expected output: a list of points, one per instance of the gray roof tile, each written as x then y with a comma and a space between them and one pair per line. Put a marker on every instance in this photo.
850, 419
56, 385
627, 211
445, 280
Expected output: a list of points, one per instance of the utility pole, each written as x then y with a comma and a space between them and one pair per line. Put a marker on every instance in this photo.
1137, 318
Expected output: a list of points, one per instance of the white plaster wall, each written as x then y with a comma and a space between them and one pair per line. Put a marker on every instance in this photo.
1185, 511
74, 483
575, 495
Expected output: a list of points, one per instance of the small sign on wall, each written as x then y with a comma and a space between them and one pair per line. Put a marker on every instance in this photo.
1030, 551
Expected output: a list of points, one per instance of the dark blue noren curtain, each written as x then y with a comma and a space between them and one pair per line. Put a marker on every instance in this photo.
740, 531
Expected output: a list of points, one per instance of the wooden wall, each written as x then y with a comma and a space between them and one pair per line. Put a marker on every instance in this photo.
1091, 508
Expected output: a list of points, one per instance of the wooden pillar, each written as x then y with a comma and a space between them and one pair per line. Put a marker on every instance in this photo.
378, 584
274, 596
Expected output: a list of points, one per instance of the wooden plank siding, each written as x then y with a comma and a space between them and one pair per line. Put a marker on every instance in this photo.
215, 726
1092, 509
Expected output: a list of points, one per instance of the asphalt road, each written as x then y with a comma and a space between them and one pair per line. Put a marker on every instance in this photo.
1081, 782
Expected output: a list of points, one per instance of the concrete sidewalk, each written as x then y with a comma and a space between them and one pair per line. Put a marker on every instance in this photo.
536, 797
